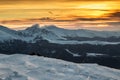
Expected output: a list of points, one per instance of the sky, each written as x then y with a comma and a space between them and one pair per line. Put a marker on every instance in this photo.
70, 14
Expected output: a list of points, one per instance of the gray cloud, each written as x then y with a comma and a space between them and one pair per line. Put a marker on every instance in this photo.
91, 19
113, 23
115, 14
10, 21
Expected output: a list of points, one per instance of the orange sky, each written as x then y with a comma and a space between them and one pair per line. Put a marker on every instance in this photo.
72, 14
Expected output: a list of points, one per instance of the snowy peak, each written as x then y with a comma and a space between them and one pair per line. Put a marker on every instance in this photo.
7, 34
2, 27
33, 28
37, 26
5, 29
50, 27
37, 30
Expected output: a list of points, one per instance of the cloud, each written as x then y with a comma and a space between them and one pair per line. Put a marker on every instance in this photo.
41, 19
2, 2
50, 12
113, 23
91, 19
10, 21
72, 19
115, 14
48, 19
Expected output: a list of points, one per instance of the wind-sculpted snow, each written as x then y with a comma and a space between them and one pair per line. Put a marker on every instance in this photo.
25, 67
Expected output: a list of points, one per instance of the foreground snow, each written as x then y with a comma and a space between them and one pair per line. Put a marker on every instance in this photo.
25, 67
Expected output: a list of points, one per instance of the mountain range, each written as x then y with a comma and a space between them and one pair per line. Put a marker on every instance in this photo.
54, 34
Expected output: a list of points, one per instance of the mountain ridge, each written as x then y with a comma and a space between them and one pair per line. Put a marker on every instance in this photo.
57, 35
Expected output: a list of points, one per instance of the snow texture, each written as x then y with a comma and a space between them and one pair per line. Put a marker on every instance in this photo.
25, 67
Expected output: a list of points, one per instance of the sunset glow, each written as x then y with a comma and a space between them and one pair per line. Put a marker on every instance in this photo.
72, 14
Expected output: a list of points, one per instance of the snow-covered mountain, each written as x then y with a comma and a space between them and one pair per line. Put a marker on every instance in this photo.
9, 34
81, 32
25, 67
6, 33
59, 35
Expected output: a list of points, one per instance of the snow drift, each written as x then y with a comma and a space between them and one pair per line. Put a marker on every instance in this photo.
25, 67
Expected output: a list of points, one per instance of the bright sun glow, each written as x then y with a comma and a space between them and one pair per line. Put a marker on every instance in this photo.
97, 13
97, 9
94, 6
